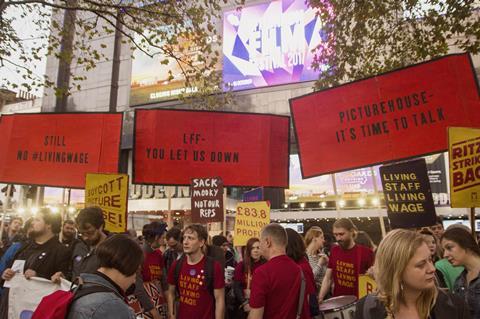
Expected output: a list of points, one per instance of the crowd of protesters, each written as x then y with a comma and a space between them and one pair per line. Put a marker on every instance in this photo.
172, 273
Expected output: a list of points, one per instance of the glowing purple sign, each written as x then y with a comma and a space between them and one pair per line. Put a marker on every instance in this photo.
270, 44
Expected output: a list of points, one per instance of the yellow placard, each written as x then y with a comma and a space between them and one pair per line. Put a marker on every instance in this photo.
250, 219
109, 192
366, 285
464, 166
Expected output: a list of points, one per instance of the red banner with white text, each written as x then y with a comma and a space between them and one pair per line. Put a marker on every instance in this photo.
392, 116
58, 149
173, 146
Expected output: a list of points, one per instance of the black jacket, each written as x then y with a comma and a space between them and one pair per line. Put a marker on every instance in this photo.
447, 306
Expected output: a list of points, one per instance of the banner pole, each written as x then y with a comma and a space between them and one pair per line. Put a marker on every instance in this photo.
5, 207
225, 212
472, 222
378, 206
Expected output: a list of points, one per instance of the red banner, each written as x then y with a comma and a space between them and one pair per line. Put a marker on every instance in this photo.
173, 146
58, 149
392, 116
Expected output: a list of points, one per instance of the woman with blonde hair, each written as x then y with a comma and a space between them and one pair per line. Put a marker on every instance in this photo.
314, 242
405, 276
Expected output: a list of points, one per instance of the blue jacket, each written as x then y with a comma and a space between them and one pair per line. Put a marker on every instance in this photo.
100, 305
7, 258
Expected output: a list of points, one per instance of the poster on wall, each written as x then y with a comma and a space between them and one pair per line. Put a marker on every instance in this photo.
151, 82
391, 116
51, 149
173, 146
464, 155
437, 175
362, 180
270, 44
408, 196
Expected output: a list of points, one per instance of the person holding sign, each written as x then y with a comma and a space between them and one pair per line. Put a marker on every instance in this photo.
242, 277
347, 261
405, 277
461, 249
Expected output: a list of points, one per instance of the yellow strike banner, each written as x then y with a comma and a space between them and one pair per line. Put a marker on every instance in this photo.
366, 285
250, 219
464, 164
109, 192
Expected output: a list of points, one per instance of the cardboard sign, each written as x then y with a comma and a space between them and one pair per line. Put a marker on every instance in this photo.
387, 117
366, 285
249, 221
207, 200
58, 149
110, 193
408, 196
173, 146
464, 165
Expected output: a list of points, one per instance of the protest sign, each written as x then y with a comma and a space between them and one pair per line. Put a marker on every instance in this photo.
366, 285
58, 149
250, 218
386, 117
408, 196
207, 200
173, 146
464, 165
110, 193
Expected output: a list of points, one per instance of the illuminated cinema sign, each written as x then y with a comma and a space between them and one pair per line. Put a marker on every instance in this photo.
270, 44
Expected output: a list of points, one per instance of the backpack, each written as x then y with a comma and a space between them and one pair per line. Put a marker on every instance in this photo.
208, 274
57, 304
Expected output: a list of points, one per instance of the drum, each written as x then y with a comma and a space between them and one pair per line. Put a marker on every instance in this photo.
342, 307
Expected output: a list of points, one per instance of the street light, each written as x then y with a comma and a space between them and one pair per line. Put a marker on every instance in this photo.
71, 209
34, 210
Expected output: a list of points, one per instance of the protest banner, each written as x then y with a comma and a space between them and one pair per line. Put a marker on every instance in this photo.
250, 218
25, 295
207, 200
464, 165
408, 196
58, 149
172, 146
386, 117
110, 193
366, 285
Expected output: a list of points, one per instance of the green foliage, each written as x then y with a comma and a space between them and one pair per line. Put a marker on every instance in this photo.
365, 38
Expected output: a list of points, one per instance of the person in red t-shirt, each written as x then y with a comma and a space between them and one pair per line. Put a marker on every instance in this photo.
276, 284
347, 261
242, 277
195, 299
153, 270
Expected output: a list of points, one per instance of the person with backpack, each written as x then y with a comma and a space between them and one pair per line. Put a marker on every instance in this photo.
278, 286
196, 279
119, 258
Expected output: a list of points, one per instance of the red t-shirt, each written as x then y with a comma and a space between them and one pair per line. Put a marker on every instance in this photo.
276, 287
346, 265
241, 276
195, 299
153, 266
308, 274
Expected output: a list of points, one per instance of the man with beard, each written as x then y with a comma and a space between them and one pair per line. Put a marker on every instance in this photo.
69, 234
44, 256
347, 261
91, 225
